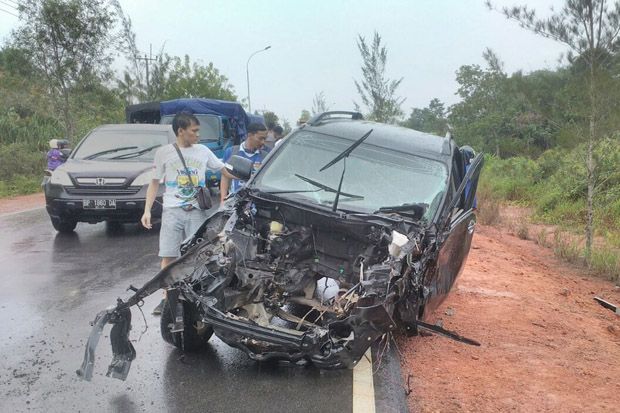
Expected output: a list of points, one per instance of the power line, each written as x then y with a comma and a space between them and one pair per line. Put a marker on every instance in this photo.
10, 5
8, 12
15, 2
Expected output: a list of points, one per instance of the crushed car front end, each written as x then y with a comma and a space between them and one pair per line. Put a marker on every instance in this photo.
308, 265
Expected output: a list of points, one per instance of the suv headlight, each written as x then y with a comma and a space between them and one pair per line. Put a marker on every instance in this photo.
144, 178
60, 177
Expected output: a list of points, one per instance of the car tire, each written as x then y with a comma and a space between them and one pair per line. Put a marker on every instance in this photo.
63, 225
189, 339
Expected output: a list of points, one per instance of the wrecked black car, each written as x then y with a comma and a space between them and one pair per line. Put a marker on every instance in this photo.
349, 231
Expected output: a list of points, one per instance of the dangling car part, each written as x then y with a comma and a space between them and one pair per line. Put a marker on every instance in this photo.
312, 263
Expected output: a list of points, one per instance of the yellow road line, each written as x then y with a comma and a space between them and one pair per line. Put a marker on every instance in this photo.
363, 386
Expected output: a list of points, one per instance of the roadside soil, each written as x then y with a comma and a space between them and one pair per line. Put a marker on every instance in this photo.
21, 203
546, 345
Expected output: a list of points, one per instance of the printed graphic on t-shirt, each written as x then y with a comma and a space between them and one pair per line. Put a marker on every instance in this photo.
186, 191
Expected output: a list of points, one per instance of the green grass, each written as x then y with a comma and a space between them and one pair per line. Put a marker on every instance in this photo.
20, 185
565, 248
606, 263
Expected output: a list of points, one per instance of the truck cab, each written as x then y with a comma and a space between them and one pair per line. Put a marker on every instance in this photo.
222, 123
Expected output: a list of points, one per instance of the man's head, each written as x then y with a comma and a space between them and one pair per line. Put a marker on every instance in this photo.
278, 132
257, 132
186, 127
468, 154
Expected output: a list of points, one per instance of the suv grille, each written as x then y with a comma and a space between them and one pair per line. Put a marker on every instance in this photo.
103, 191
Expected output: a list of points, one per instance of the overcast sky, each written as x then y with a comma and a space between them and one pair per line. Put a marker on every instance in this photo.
313, 44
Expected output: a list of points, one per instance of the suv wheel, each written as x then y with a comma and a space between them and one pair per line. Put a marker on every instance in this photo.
190, 339
63, 225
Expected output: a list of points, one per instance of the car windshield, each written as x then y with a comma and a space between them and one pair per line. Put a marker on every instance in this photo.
129, 145
210, 126
375, 176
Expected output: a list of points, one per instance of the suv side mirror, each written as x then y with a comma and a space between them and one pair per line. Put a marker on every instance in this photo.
240, 167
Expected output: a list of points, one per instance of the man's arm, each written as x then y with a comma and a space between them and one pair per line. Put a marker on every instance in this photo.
224, 183
151, 193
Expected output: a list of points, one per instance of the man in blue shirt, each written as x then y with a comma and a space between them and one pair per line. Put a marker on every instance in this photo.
252, 149
468, 154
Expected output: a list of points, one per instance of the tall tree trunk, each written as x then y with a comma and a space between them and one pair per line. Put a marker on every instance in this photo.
590, 170
66, 112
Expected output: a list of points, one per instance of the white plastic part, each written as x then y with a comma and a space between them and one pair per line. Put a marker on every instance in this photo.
398, 240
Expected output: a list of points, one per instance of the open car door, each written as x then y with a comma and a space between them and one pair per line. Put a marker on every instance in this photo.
457, 225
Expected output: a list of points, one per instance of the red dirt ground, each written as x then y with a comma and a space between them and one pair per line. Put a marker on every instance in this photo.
547, 346
21, 203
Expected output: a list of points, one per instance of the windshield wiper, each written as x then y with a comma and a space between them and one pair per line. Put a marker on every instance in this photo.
137, 153
98, 154
415, 211
344, 155
327, 188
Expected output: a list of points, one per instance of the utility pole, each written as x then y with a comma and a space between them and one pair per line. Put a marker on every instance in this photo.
147, 60
247, 73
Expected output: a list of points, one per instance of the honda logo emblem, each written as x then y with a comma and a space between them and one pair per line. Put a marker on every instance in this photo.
100, 181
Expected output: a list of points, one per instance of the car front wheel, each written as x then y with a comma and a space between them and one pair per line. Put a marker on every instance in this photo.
195, 334
63, 225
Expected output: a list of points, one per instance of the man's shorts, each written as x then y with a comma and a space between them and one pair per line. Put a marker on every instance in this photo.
176, 225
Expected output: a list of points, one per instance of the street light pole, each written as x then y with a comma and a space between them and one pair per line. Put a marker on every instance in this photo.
247, 74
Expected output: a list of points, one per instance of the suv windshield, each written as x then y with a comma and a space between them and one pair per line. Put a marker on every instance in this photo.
210, 126
127, 145
376, 176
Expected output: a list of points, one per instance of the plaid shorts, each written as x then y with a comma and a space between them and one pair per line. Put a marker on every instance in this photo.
177, 225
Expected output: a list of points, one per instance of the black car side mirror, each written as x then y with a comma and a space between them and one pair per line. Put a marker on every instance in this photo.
240, 167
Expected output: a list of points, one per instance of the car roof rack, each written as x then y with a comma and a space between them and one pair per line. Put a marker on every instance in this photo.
335, 114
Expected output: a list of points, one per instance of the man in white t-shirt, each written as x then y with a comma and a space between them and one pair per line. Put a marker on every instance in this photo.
181, 216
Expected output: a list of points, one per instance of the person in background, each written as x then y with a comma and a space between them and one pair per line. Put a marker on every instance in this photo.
252, 149
55, 157
468, 153
270, 140
278, 133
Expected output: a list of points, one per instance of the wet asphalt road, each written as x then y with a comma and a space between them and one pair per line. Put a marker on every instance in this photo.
52, 285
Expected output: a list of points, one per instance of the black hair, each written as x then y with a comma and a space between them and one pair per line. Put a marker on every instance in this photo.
278, 129
256, 127
271, 125
183, 120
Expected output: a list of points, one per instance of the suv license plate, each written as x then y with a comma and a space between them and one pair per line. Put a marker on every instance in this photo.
99, 203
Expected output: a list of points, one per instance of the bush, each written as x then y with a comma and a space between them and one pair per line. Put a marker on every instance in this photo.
510, 179
488, 210
21, 168
19, 159
605, 262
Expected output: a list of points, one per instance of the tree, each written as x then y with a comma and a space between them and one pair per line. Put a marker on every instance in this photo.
431, 119
69, 41
172, 77
318, 104
271, 119
377, 92
590, 29
484, 116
